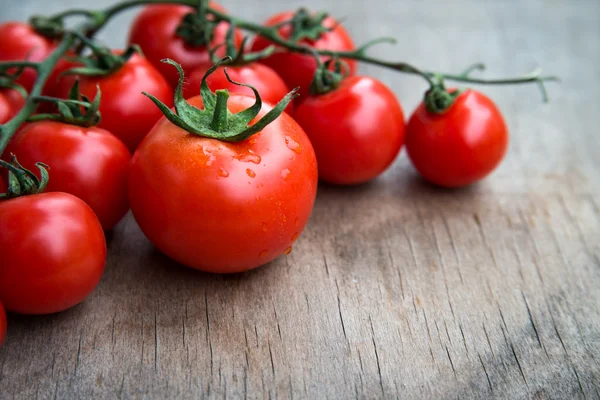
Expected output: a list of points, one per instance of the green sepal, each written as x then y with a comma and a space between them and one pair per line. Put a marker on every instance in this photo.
307, 26
215, 120
76, 110
102, 61
21, 181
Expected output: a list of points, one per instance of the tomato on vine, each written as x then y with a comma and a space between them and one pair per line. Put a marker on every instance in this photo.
87, 162
318, 31
226, 188
159, 32
270, 86
458, 144
11, 102
126, 113
355, 124
52, 248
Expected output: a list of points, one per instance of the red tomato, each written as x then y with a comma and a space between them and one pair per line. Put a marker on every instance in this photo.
52, 252
356, 130
89, 163
126, 112
2, 324
270, 86
224, 207
459, 146
19, 42
11, 102
297, 70
154, 31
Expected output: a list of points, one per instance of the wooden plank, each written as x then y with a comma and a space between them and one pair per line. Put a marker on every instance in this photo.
396, 289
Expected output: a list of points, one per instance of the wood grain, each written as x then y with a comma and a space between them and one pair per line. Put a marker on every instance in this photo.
395, 289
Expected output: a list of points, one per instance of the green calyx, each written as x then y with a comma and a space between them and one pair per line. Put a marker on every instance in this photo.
328, 75
52, 28
215, 120
308, 26
21, 181
195, 28
438, 99
76, 110
239, 56
102, 61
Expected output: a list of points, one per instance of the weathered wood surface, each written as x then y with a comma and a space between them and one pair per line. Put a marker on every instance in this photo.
395, 289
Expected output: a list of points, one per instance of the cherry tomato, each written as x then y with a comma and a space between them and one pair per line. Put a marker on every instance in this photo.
52, 252
21, 42
459, 146
270, 86
126, 112
154, 31
2, 323
89, 163
297, 70
224, 207
11, 102
356, 130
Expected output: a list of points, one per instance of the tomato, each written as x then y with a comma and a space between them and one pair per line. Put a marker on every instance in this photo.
126, 112
52, 252
154, 31
2, 324
224, 207
270, 86
461, 145
11, 102
89, 163
21, 42
297, 70
356, 130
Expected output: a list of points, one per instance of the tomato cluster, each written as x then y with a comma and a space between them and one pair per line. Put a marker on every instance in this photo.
210, 184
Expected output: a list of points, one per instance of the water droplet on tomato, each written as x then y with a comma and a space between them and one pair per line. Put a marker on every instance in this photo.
249, 157
293, 145
250, 173
287, 251
264, 226
285, 174
222, 173
295, 236
263, 253
296, 221
283, 218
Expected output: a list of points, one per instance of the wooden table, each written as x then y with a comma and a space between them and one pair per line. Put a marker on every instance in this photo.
396, 288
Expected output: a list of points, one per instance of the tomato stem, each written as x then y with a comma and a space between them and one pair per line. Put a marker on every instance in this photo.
219, 120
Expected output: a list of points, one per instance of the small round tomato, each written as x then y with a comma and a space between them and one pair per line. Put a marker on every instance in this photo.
126, 112
270, 86
459, 146
52, 252
21, 42
89, 163
2, 324
11, 102
154, 31
356, 130
297, 70
219, 206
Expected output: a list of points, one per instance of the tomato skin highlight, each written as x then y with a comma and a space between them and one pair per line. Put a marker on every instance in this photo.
11, 103
270, 85
224, 207
357, 130
462, 145
295, 69
89, 163
154, 31
52, 252
126, 112
2, 324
